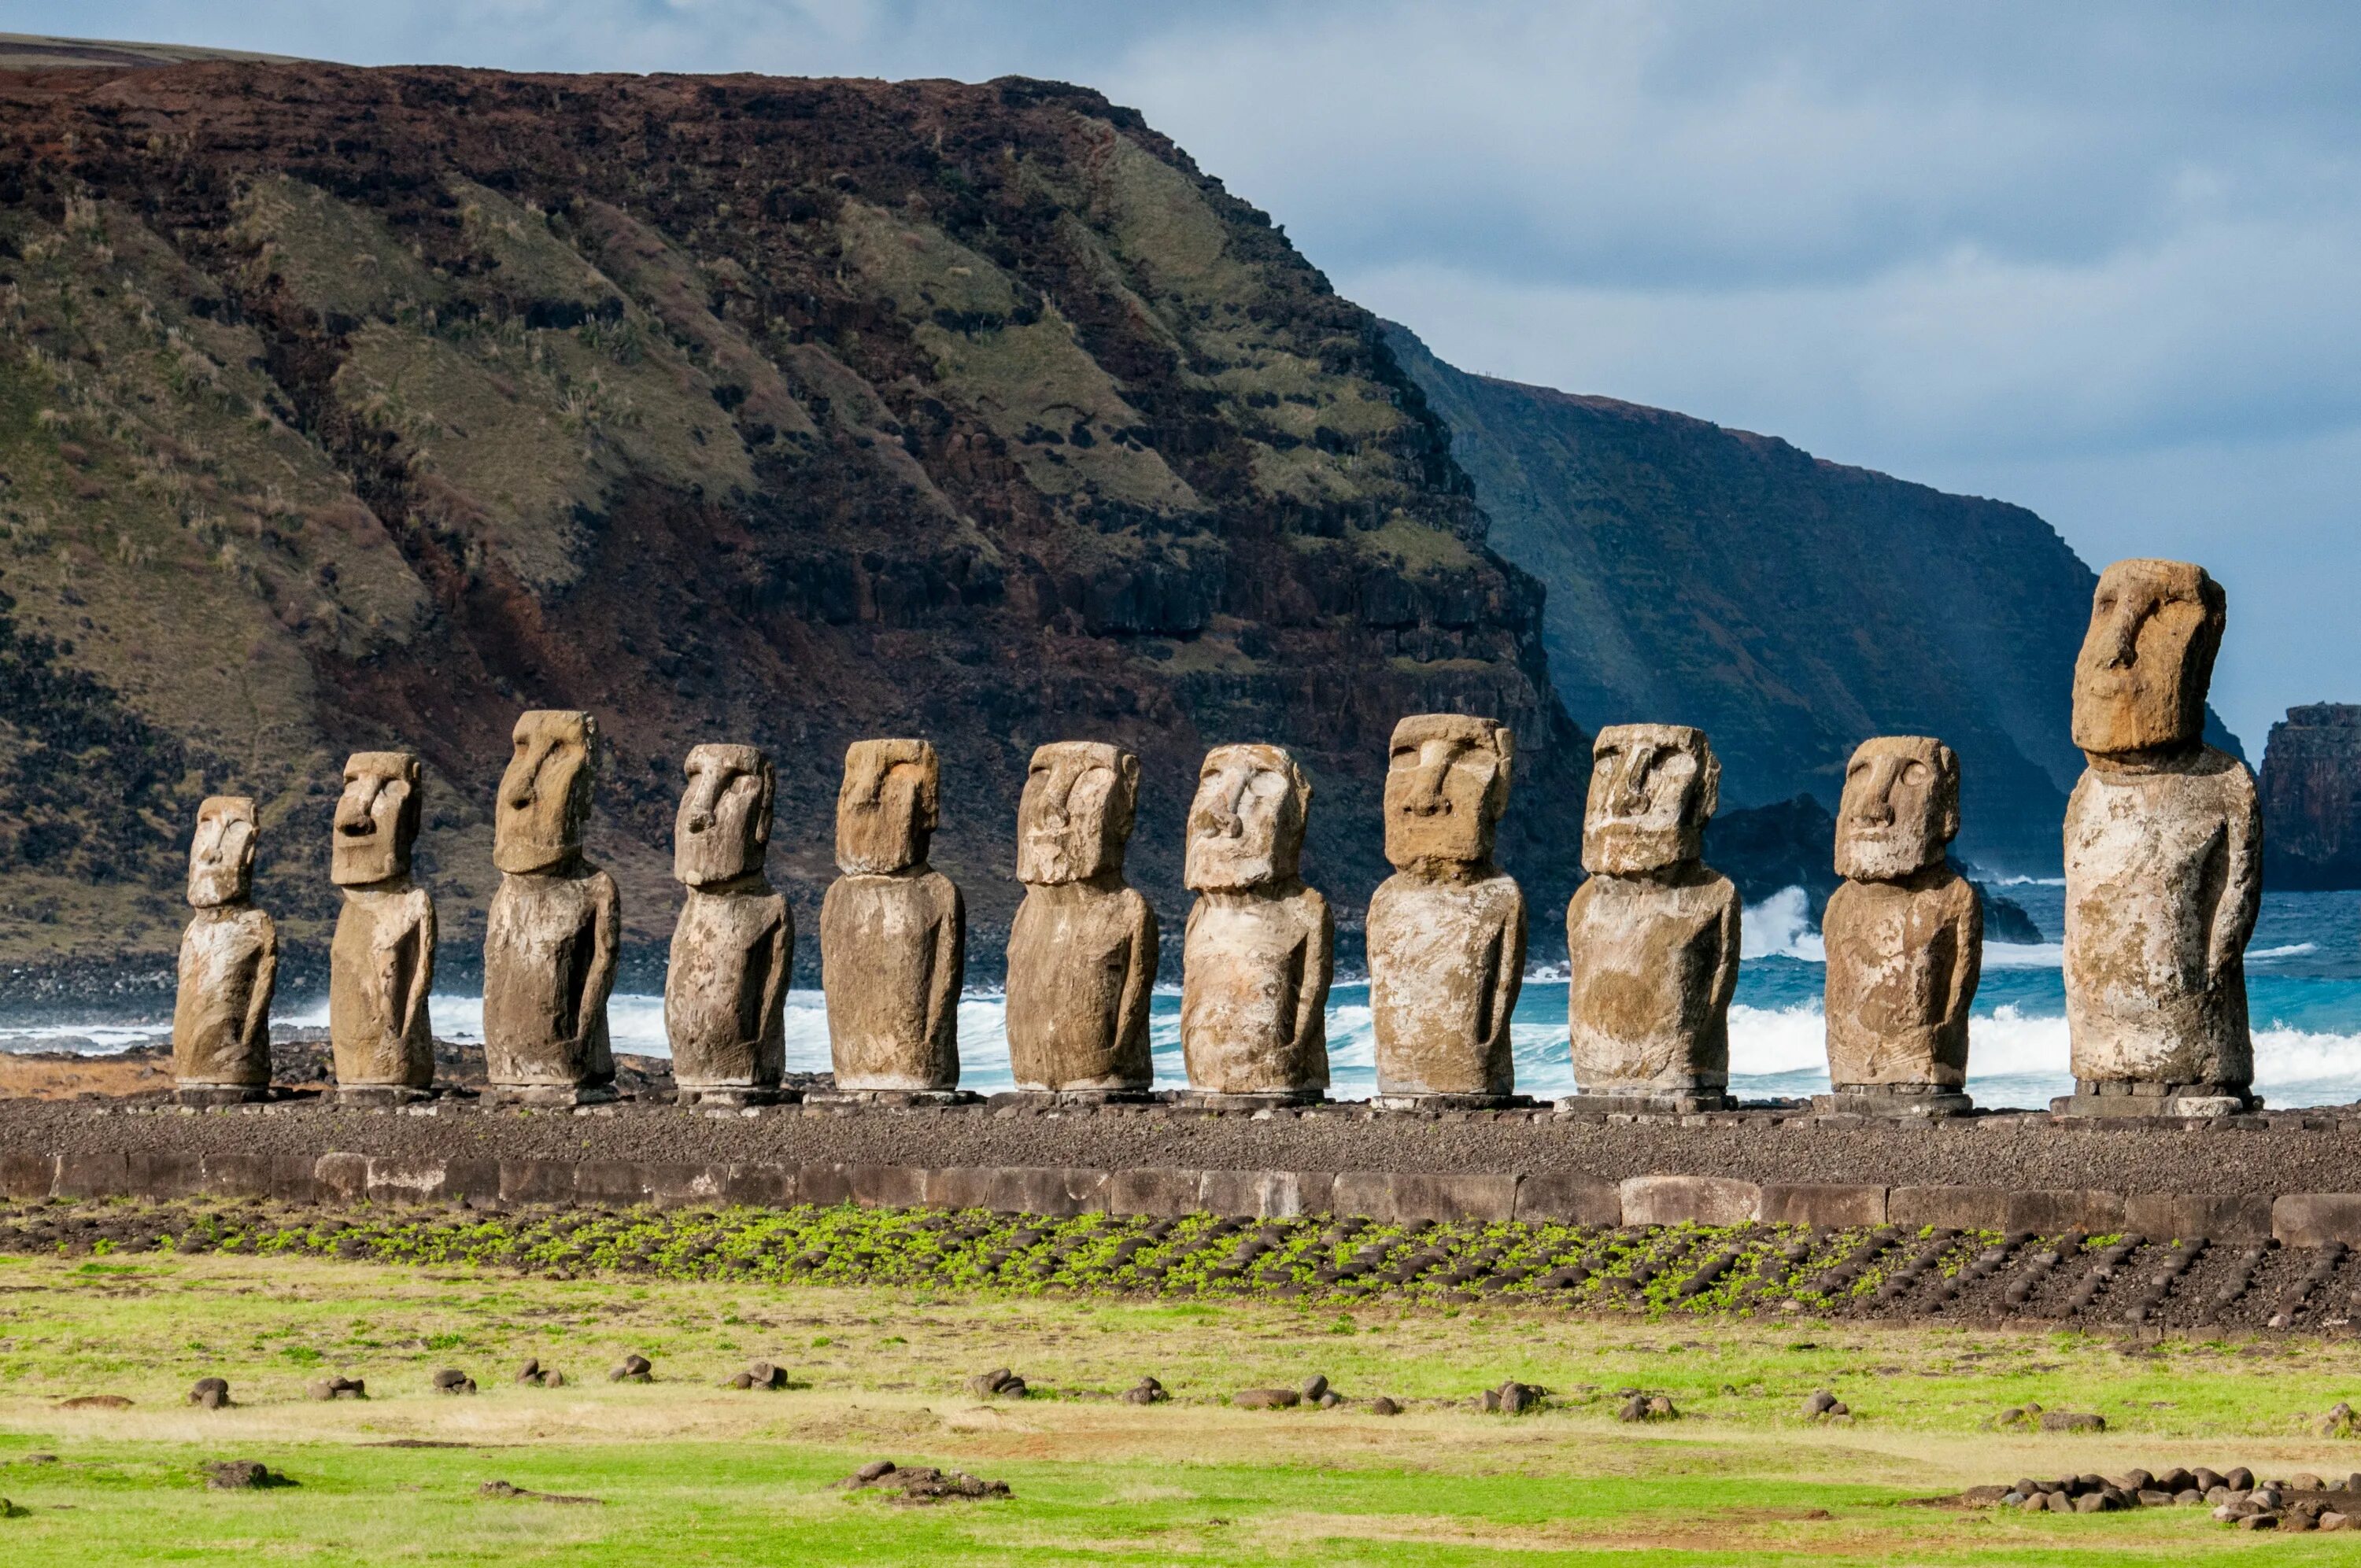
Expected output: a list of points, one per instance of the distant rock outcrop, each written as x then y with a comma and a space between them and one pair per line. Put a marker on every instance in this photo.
2311, 798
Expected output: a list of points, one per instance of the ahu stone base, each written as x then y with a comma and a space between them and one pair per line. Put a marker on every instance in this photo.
1452, 1102
204, 1094
732, 1096
1210, 1100
377, 1096
550, 1094
1670, 1102
891, 1098
1893, 1103
2174, 1099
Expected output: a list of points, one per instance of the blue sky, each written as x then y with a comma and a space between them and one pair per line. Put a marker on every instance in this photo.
2102, 260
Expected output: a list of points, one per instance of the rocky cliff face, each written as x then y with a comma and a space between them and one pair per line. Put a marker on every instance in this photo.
345, 409
2311, 798
1790, 607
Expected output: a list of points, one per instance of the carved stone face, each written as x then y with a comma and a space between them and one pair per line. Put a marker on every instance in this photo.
220, 857
376, 818
1652, 789
1901, 807
2139, 683
1447, 785
1076, 815
1245, 826
887, 807
723, 831
545, 795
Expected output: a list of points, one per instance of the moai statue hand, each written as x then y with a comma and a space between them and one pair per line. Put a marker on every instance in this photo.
229, 965
1446, 931
1651, 938
381, 963
2163, 859
733, 948
1260, 946
551, 940
1082, 951
892, 932
1904, 935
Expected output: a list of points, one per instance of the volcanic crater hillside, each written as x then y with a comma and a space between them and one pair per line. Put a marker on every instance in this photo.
355, 408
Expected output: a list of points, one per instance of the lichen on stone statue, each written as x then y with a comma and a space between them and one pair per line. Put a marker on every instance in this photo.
1081, 951
550, 941
381, 962
1652, 934
2163, 859
229, 965
1446, 931
733, 948
1904, 936
892, 933
1260, 946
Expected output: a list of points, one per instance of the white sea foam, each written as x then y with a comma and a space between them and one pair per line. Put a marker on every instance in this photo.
1781, 926
2292, 950
2028, 882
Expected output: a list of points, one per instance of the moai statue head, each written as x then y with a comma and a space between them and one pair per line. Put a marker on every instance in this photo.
887, 808
1901, 807
545, 795
376, 818
220, 857
1245, 826
1447, 785
2139, 683
1076, 815
1652, 789
723, 831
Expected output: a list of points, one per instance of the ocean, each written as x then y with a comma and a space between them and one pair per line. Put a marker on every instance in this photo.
2303, 981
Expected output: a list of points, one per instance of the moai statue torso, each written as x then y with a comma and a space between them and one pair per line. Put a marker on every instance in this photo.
1260, 947
2163, 859
1651, 938
892, 931
229, 964
550, 940
1446, 931
726, 987
1082, 951
381, 963
1904, 935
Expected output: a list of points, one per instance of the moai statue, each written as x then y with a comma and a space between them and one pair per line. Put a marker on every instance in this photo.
2163, 860
1651, 938
1446, 931
229, 964
726, 988
1261, 945
1082, 952
550, 940
893, 934
1905, 936
381, 964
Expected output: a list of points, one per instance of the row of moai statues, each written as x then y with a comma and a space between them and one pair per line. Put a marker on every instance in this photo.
2161, 860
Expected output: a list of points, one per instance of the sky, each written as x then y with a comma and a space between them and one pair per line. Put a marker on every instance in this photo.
2101, 260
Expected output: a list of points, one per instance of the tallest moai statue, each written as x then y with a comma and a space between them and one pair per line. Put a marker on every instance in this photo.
2163, 859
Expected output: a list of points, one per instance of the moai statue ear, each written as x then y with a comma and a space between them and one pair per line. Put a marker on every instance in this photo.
1947, 761
1708, 781
1127, 770
769, 776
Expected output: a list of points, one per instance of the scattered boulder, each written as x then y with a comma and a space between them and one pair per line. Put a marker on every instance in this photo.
95, 1402
338, 1389
760, 1375
1314, 1388
1267, 1398
1385, 1406
502, 1489
2072, 1421
2339, 1422
451, 1380
231, 1474
921, 1485
997, 1384
210, 1394
1512, 1399
634, 1369
1146, 1391
1822, 1405
1648, 1407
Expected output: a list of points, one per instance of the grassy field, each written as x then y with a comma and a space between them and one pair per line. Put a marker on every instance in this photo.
686, 1469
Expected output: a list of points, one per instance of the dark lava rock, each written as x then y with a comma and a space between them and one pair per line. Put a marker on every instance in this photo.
502, 1489
229, 1475
636, 1368
1267, 1398
919, 1485
1146, 1391
997, 1384
211, 1393
451, 1380
2072, 1421
1384, 1405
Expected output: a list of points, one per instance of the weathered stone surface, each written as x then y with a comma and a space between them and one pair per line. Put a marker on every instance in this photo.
1905, 934
892, 930
550, 940
2049, 1212
1843, 1205
2169, 1216
229, 958
1260, 946
2316, 1219
733, 948
1956, 1208
1652, 939
381, 962
1082, 951
2310, 796
1446, 931
1691, 1200
2163, 841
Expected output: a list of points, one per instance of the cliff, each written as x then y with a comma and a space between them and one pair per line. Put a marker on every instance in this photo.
2310, 789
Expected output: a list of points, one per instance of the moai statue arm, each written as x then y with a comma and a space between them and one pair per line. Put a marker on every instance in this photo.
1967, 964
422, 973
1509, 975
1139, 980
950, 967
775, 977
2242, 878
1319, 971
605, 927
266, 979
1725, 972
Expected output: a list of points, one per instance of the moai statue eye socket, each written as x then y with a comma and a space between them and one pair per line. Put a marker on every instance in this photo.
376, 818
1447, 785
221, 856
1246, 826
887, 808
2147, 658
1901, 807
1076, 815
1654, 787
544, 802
723, 830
